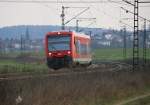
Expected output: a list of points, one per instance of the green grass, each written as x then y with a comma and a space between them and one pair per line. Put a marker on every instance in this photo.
11, 66
103, 53
115, 54
28, 53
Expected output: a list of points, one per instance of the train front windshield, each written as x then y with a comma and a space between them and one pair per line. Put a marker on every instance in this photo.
58, 43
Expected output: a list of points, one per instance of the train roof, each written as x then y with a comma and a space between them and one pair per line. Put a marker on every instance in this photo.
79, 34
82, 35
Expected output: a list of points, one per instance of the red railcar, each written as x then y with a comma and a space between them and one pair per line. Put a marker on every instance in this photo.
67, 48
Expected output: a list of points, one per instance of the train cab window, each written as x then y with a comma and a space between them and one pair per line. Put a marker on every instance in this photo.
58, 43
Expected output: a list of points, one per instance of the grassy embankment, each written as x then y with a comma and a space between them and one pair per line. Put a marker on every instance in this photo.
97, 88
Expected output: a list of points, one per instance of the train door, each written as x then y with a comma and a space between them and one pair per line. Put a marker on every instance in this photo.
78, 47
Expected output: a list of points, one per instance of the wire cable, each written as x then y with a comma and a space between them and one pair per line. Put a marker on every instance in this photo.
62, 1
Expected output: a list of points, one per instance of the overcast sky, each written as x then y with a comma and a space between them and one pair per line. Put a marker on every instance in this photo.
107, 15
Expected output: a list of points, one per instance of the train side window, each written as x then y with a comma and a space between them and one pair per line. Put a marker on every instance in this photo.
77, 45
88, 48
83, 49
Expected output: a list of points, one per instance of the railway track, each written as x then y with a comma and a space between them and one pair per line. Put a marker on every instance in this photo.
97, 66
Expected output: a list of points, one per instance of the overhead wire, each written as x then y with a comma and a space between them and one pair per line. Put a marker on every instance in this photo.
91, 14
103, 11
62, 1
51, 8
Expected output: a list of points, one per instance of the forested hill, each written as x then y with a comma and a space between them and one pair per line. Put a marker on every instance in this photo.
38, 31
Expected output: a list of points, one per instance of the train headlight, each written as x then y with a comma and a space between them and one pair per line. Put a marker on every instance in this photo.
69, 52
50, 54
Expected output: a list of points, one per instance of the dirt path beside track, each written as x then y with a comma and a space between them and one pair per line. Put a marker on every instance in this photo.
133, 99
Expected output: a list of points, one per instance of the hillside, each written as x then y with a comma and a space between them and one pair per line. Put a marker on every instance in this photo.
38, 31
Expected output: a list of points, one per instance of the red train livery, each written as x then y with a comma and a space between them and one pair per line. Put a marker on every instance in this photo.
67, 48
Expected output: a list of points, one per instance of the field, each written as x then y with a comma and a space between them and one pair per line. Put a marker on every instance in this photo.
35, 61
115, 54
104, 53
90, 88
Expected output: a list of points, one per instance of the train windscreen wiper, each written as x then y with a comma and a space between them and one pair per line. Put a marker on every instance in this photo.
53, 47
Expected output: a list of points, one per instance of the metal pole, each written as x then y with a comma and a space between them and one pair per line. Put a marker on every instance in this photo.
144, 44
63, 18
124, 47
136, 36
77, 25
21, 44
